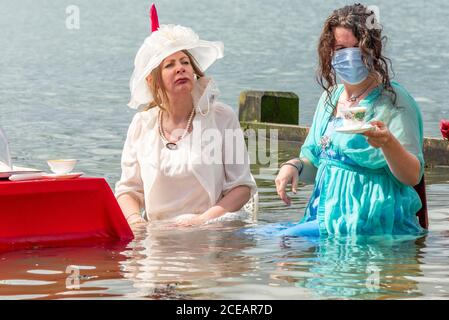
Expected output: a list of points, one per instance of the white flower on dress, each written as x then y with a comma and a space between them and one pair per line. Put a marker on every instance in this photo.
325, 142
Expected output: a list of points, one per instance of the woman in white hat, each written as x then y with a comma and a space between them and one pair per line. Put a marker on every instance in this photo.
178, 158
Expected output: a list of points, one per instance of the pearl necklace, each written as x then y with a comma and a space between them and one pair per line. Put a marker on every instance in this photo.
172, 145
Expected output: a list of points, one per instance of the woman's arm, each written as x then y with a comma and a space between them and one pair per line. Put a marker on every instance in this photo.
129, 189
403, 164
130, 208
289, 175
238, 184
234, 200
308, 172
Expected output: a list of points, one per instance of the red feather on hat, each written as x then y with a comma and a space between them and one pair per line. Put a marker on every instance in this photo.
153, 18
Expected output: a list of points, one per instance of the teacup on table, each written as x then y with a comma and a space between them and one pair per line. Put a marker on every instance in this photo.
62, 166
354, 117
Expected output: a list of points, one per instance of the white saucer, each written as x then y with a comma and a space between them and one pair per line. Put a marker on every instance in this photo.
355, 129
26, 176
7, 174
63, 176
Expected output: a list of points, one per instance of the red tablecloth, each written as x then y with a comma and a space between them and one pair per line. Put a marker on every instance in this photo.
45, 211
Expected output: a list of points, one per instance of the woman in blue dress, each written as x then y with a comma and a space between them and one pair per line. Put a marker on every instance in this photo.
363, 182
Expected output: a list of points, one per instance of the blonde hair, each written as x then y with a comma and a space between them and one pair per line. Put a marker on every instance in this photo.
157, 86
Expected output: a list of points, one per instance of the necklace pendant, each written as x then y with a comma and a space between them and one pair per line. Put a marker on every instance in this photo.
353, 99
171, 146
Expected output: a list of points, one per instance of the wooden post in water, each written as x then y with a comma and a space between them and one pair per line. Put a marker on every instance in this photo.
269, 107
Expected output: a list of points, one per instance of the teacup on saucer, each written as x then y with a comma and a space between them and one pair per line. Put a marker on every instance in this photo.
353, 117
61, 166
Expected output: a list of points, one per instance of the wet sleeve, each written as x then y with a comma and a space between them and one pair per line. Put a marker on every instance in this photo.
402, 119
235, 155
130, 181
311, 147
407, 126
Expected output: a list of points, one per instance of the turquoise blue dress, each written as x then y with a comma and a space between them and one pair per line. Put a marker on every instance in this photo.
355, 193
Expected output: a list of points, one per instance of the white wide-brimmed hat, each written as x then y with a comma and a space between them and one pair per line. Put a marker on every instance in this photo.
163, 42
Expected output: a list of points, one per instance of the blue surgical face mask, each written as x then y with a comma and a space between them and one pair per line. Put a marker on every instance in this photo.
349, 66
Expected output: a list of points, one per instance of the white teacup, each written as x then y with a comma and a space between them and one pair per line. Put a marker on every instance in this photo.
62, 166
354, 116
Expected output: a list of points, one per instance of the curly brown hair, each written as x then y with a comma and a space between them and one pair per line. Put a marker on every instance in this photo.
370, 41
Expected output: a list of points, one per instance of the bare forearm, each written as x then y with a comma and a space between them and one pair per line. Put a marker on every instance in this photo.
128, 204
232, 201
308, 172
404, 165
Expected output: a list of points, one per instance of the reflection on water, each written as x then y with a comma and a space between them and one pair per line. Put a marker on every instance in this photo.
47, 273
363, 267
218, 263
185, 264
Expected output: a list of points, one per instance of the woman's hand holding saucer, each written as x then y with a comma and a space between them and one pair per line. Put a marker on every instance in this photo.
380, 136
